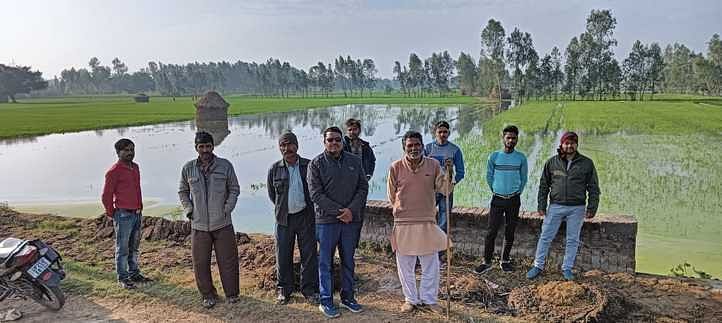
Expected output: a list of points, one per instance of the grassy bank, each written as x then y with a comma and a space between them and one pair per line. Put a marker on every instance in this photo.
56, 115
657, 160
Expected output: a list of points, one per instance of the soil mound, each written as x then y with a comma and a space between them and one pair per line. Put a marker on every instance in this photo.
568, 302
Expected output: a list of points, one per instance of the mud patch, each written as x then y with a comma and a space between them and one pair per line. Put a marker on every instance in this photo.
568, 302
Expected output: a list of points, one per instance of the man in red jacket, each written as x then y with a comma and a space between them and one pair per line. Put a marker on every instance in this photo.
123, 203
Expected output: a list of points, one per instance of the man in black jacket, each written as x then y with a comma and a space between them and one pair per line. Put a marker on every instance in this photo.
288, 191
566, 180
354, 144
338, 188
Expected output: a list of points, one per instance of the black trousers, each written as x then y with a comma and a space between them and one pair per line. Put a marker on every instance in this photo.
301, 227
503, 211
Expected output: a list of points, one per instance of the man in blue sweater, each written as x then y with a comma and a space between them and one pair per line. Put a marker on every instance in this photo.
506, 173
442, 149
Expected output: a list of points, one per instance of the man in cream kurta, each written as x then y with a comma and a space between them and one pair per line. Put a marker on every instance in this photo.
413, 182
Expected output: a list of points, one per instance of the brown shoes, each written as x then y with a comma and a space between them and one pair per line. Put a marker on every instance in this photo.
407, 307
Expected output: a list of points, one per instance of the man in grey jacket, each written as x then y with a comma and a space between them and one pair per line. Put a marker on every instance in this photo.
208, 192
338, 188
288, 191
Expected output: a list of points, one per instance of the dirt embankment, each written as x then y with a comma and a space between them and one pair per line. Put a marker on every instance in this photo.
595, 297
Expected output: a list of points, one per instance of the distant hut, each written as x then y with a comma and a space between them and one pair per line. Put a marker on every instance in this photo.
212, 106
212, 116
141, 98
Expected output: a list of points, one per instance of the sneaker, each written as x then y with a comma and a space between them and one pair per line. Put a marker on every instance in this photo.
533, 273
329, 311
140, 279
208, 302
126, 284
282, 299
351, 305
484, 267
407, 307
506, 267
568, 275
233, 299
313, 299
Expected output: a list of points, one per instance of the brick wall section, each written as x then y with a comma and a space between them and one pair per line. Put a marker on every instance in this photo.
608, 241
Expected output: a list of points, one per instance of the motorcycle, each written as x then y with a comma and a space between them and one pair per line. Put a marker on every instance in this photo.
31, 269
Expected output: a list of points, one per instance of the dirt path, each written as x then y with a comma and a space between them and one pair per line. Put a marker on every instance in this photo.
82, 309
93, 295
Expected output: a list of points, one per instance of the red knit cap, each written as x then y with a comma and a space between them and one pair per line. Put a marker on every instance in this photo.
569, 135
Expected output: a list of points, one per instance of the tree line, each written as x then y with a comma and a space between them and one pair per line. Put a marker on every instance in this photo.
271, 78
434, 75
588, 69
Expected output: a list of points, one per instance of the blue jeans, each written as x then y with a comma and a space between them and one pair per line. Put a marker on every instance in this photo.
329, 236
574, 216
127, 240
441, 203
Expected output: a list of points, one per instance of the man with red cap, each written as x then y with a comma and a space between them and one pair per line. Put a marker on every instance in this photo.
569, 181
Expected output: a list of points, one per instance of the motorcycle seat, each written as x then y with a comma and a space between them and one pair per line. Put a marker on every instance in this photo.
9, 246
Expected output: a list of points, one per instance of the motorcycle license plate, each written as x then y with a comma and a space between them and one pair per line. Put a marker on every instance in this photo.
39, 267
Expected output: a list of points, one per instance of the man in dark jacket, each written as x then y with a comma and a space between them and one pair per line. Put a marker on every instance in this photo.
338, 186
288, 191
566, 180
208, 191
354, 144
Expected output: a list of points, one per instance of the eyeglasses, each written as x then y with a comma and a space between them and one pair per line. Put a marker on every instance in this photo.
334, 139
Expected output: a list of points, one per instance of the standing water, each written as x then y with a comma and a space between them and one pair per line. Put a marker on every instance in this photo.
64, 173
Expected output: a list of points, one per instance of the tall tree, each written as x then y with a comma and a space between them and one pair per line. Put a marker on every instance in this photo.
597, 44
467, 74
557, 74
634, 71
368, 68
678, 69
520, 54
492, 46
654, 65
19, 80
572, 67
416, 74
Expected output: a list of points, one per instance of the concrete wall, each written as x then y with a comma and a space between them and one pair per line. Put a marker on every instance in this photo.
608, 241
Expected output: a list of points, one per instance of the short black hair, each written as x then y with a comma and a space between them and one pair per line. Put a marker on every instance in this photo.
412, 134
122, 143
353, 122
203, 137
440, 124
332, 129
511, 128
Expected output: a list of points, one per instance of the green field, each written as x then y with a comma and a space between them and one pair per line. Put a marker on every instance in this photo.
657, 160
56, 115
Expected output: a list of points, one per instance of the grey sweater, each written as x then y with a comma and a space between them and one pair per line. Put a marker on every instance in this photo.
336, 184
208, 200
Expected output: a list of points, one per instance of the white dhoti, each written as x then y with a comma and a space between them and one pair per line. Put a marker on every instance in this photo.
428, 290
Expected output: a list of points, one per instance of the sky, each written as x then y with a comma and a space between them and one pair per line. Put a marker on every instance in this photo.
54, 35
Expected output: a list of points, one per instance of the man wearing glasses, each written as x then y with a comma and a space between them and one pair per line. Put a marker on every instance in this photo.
338, 187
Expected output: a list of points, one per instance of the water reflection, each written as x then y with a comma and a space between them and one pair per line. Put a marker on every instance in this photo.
249, 142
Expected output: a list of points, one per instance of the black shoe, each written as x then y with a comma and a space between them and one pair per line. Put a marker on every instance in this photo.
209, 302
233, 299
313, 299
506, 267
282, 299
140, 279
126, 284
482, 268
